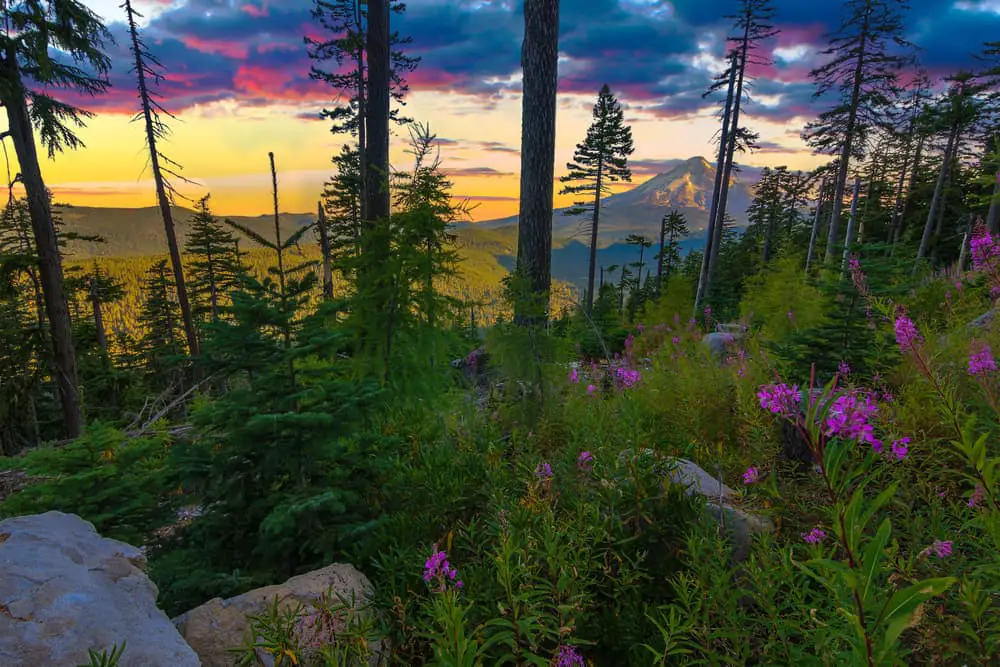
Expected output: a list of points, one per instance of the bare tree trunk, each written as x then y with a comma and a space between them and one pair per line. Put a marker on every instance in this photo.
936, 198
845, 151
659, 263
161, 190
377, 114
593, 239
324, 245
815, 225
849, 237
540, 66
359, 60
993, 217
714, 209
918, 154
46, 244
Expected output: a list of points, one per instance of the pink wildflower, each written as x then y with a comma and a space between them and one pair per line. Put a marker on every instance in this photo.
814, 536
751, 475
437, 567
591, 389
900, 449
906, 333
981, 361
977, 496
848, 419
574, 376
543, 472
568, 657
585, 461
844, 369
942, 549
779, 398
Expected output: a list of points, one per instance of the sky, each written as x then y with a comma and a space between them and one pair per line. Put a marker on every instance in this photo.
237, 78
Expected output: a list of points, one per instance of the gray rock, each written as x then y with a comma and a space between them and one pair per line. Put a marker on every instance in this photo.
722, 502
220, 625
720, 343
65, 589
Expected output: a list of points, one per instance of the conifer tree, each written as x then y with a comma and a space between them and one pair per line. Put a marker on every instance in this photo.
161, 344
147, 71
213, 266
342, 196
49, 46
862, 71
672, 228
540, 67
600, 159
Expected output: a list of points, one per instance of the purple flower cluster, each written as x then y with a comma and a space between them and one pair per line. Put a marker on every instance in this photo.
568, 657
977, 496
751, 475
981, 361
848, 419
984, 247
906, 333
779, 398
574, 376
626, 378
438, 568
543, 471
900, 448
941, 549
814, 536
585, 462
844, 369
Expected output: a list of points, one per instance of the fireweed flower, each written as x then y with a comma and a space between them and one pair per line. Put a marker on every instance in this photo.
751, 475
626, 378
814, 536
585, 461
844, 369
437, 568
640, 328
900, 449
568, 657
977, 496
981, 361
543, 471
779, 398
848, 420
984, 247
941, 549
906, 333
676, 340
591, 389
574, 376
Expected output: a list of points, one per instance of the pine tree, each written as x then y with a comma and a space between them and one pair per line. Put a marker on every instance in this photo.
342, 210
672, 228
31, 74
147, 71
600, 159
540, 67
213, 265
161, 345
862, 72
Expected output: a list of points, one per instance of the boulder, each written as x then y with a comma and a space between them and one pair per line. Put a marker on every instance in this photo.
220, 625
722, 502
720, 343
65, 589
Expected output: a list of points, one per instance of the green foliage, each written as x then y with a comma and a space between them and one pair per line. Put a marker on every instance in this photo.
214, 266
782, 300
106, 658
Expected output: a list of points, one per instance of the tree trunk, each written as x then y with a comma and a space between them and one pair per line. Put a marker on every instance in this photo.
46, 244
849, 237
713, 210
359, 59
540, 66
936, 198
918, 154
815, 226
593, 239
845, 151
324, 244
161, 190
377, 115
659, 263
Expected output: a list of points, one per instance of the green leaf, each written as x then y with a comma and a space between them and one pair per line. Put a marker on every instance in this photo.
899, 611
872, 558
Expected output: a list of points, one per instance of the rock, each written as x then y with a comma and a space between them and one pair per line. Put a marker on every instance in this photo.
722, 501
719, 343
219, 625
65, 589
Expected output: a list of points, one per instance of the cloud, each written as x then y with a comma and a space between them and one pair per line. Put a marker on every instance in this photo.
476, 172
487, 198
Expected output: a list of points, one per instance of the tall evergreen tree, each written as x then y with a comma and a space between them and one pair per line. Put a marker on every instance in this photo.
862, 71
147, 71
600, 159
540, 67
31, 73
673, 227
342, 196
162, 341
213, 265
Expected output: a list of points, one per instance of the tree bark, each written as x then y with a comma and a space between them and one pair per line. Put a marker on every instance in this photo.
659, 263
540, 65
46, 244
936, 198
918, 154
376, 156
993, 217
845, 151
324, 245
593, 240
713, 210
849, 238
815, 225
161, 190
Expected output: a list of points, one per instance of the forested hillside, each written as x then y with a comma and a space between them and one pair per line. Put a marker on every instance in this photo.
726, 416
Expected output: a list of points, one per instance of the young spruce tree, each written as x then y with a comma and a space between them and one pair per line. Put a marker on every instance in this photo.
600, 159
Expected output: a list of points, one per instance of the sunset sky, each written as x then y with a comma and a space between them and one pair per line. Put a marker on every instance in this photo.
238, 80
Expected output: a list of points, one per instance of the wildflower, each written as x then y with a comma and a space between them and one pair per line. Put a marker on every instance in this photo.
814, 536
941, 549
708, 312
981, 360
977, 496
848, 419
591, 389
543, 471
900, 449
984, 247
906, 333
629, 342
791, 316
676, 340
779, 398
568, 657
640, 328
574, 376
844, 369
438, 568
585, 461
751, 475
626, 378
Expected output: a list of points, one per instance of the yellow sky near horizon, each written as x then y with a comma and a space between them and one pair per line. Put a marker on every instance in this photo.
224, 146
